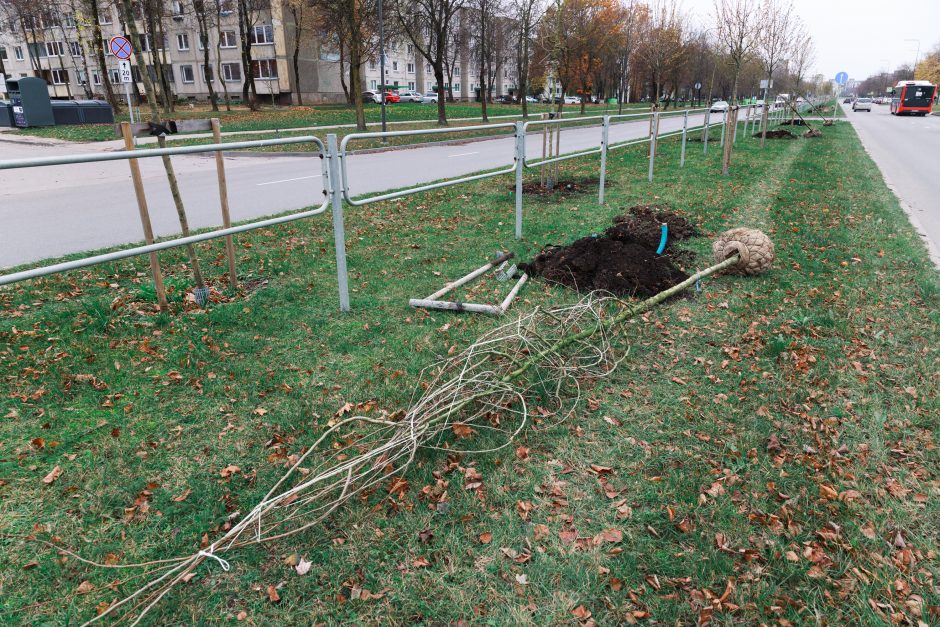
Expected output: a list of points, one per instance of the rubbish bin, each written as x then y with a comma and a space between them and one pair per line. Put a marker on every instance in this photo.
96, 112
66, 112
31, 104
6, 114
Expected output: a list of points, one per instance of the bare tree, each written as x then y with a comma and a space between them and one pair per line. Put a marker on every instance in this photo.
247, 18
773, 44
738, 28
207, 17
428, 24
663, 48
525, 16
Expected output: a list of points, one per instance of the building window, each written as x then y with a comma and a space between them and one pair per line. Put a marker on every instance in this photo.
456, 71
228, 39
104, 16
107, 47
115, 77
95, 78
75, 49
182, 41
411, 48
411, 68
208, 74
68, 20
262, 34
186, 74
18, 53
457, 87
411, 85
82, 77
37, 50
177, 8
264, 68
427, 70
145, 43
60, 77
231, 72
54, 48
372, 65
373, 85
395, 65
3, 53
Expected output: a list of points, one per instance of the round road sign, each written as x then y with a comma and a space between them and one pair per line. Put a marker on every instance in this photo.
120, 47
842, 78
698, 85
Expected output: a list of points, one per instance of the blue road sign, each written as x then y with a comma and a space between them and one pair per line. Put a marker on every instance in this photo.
120, 47
842, 78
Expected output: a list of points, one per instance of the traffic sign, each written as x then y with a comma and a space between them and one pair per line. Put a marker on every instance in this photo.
124, 69
842, 78
698, 85
120, 47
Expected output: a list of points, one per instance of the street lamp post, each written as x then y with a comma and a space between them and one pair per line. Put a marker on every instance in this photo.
916, 55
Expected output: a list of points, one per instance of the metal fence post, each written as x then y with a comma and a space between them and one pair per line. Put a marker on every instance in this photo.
734, 131
520, 164
339, 231
708, 115
605, 134
685, 127
653, 144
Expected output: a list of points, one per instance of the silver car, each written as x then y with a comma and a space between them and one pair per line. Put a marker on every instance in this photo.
862, 104
429, 97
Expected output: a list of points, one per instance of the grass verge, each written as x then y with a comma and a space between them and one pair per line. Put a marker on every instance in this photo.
766, 453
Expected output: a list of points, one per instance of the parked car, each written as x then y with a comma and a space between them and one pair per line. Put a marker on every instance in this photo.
846, 100
506, 99
719, 106
429, 97
407, 95
572, 100
391, 96
371, 96
862, 104
531, 99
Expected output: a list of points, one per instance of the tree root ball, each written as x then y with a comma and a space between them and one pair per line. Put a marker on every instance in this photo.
754, 249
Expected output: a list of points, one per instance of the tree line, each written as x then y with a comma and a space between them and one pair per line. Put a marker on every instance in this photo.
629, 50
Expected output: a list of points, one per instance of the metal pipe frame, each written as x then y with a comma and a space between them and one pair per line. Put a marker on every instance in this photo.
84, 262
343, 155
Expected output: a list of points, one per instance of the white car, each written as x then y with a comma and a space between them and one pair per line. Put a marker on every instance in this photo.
719, 106
429, 97
372, 96
408, 95
862, 104
572, 100
759, 104
531, 99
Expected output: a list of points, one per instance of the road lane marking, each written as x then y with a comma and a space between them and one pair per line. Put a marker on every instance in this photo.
464, 154
299, 178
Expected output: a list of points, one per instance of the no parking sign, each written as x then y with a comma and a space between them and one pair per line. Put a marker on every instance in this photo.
120, 47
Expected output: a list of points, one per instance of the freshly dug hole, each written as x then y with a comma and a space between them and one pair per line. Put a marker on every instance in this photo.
644, 225
780, 134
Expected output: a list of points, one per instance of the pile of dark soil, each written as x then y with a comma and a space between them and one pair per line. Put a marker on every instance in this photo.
623, 260
796, 122
781, 134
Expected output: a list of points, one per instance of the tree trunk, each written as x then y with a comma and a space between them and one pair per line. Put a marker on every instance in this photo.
441, 105
202, 19
249, 89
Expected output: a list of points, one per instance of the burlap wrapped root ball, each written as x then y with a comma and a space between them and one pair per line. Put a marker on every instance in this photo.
755, 251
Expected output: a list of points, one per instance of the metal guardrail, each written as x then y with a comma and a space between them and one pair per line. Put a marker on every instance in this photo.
40, 271
334, 164
422, 188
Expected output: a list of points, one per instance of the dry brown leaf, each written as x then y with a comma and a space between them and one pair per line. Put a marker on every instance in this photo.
230, 470
273, 596
85, 587
828, 492
182, 497
581, 613
54, 474
486, 537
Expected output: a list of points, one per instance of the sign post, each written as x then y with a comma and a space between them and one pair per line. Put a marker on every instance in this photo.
120, 47
841, 79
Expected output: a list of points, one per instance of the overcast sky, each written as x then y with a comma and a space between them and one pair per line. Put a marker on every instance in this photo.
861, 37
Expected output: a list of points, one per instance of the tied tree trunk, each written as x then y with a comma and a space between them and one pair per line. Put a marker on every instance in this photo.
202, 21
441, 105
181, 213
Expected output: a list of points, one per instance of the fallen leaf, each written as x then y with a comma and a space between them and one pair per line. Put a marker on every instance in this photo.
611, 535
568, 536
85, 587
182, 497
461, 430
581, 613
425, 536
54, 474
828, 492
420, 562
540, 531
273, 596
303, 566
486, 537
522, 453
522, 579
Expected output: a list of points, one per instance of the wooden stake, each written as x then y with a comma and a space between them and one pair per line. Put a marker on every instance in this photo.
223, 200
144, 217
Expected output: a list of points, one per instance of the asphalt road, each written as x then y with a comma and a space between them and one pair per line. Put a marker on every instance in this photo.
905, 150
57, 210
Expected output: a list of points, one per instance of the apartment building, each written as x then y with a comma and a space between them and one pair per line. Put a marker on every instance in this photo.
59, 46
406, 68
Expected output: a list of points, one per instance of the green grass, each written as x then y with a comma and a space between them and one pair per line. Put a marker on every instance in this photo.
243, 119
832, 355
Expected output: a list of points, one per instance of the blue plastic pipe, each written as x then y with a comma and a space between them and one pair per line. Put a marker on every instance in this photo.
662, 239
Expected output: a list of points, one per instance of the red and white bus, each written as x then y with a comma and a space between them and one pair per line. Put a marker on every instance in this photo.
913, 98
